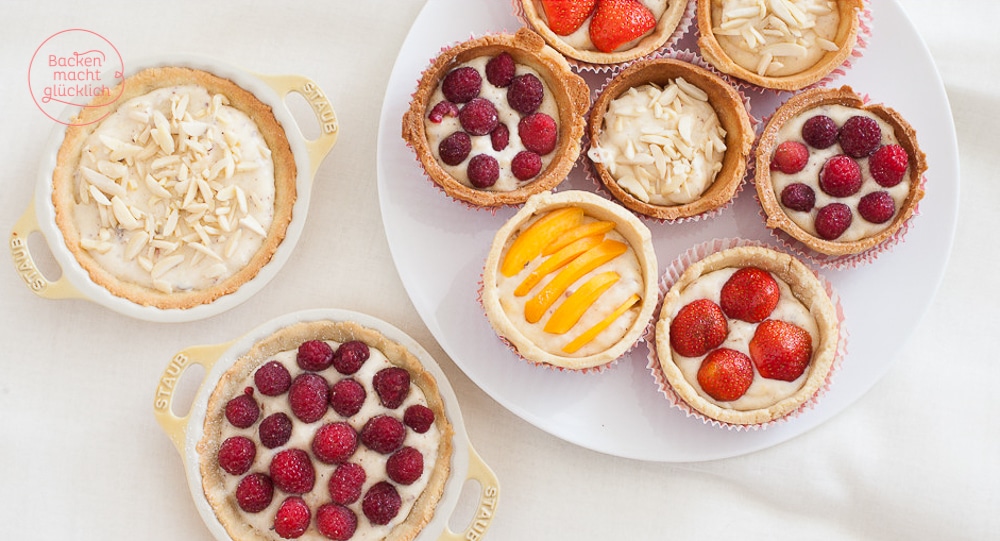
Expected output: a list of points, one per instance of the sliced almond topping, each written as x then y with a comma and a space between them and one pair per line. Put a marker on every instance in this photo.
199, 247
233, 243
215, 270
123, 214
252, 224
102, 182
135, 244
99, 196
163, 286
161, 134
165, 264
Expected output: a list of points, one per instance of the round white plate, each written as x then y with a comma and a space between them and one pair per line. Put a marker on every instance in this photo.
439, 246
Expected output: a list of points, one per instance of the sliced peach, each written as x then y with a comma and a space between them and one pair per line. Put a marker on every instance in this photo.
555, 262
529, 244
573, 308
587, 336
586, 262
578, 232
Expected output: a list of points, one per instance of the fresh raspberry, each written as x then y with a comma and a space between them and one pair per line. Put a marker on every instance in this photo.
308, 397
780, 350
455, 148
292, 519
860, 136
840, 176
442, 109
314, 355
725, 374
526, 165
462, 84
500, 137
750, 295
275, 430
272, 379
254, 492
405, 466
525, 93
877, 207
381, 503
483, 171
350, 356
336, 521
346, 397
419, 418
334, 443
538, 133
292, 471
391, 385
236, 455
798, 196
820, 131
479, 116
243, 411
346, 482
832, 220
700, 326
500, 70
790, 157
888, 165
383, 434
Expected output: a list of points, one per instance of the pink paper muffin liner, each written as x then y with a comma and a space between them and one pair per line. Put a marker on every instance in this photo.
669, 277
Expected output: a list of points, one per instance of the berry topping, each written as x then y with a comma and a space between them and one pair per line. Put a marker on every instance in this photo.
525, 93
381, 503
877, 207
479, 116
392, 385
840, 176
242, 411
462, 84
538, 133
790, 157
725, 374
566, 16
272, 379
617, 22
292, 471
406, 465
500, 70
383, 434
780, 350
336, 521
820, 131
888, 165
275, 430
483, 171
346, 482
526, 165
455, 148
798, 196
346, 397
292, 519
860, 136
500, 137
236, 455
314, 355
254, 492
698, 327
308, 397
442, 109
419, 418
350, 356
832, 220
750, 295
334, 443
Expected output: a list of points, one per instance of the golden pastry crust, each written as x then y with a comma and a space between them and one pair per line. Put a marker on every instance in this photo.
66, 175
289, 338
799, 104
572, 97
845, 39
805, 287
732, 115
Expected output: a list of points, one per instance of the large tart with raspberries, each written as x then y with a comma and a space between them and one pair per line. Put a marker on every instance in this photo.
497, 119
839, 175
325, 430
746, 335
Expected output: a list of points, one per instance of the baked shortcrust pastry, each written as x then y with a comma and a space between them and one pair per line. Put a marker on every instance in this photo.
781, 44
836, 174
670, 139
497, 118
570, 280
325, 430
181, 194
746, 335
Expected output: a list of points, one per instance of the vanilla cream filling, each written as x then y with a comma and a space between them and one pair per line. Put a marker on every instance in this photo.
580, 39
175, 190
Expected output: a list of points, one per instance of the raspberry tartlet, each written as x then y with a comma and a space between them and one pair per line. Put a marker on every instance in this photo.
746, 335
782, 44
570, 280
670, 139
498, 118
325, 430
836, 174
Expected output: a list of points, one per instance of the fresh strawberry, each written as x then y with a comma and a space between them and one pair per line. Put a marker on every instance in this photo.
750, 295
780, 350
565, 16
699, 327
617, 22
725, 374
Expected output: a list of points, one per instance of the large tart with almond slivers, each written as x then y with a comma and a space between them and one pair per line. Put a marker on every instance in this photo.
837, 174
496, 119
570, 280
325, 430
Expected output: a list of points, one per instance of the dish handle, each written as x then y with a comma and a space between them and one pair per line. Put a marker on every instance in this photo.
489, 496
173, 425
318, 148
25, 264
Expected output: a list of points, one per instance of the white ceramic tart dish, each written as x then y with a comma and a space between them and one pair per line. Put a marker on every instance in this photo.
182, 197
258, 493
